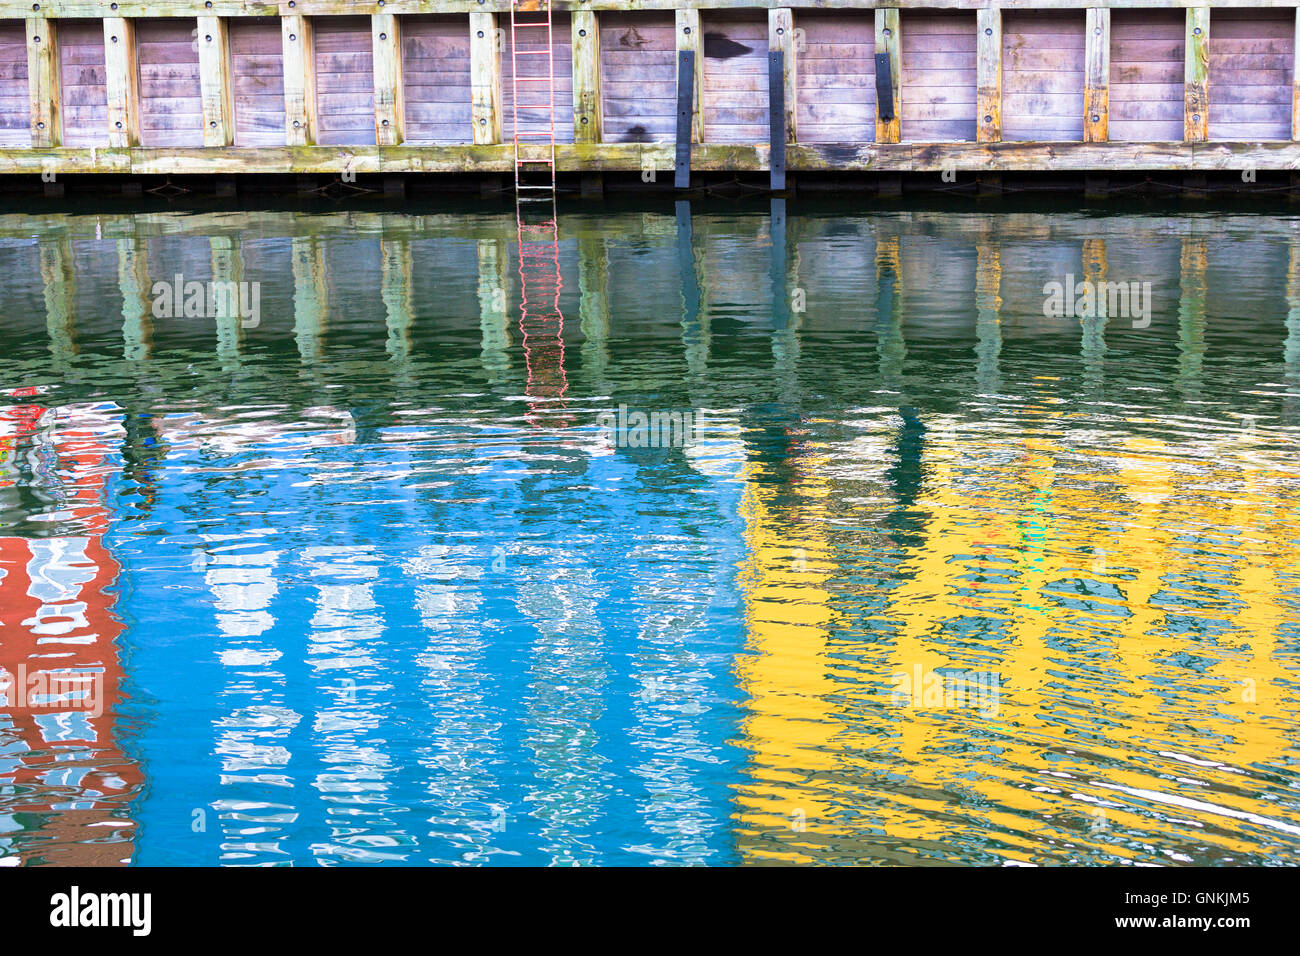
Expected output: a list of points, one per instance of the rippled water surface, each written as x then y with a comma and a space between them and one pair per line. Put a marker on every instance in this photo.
925, 577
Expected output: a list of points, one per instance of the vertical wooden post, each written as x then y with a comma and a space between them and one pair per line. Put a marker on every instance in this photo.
890, 130
690, 36
121, 82
390, 105
299, 80
1096, 82
43, 86
588, 111
1295, 82
214, 82
1196, 76
485, 77
780, 36
988, 75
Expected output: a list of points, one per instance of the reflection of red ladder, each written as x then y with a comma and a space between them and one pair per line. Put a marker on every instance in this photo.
540, 320
532, 62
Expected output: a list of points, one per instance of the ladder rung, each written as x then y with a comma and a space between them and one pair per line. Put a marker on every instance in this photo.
532, 79
545, 52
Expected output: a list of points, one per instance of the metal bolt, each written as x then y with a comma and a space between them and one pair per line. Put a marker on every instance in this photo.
480, 34
988, 119
213, 124
293, 36
114, 39
988, 31
118, 124
208, 38
1197, 31
385, 122
383, 36
780, 31
40, 126
687, 29
36, 39
582, 33
296, 124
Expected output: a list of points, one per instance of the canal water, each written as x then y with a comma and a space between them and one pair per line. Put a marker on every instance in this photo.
765, 535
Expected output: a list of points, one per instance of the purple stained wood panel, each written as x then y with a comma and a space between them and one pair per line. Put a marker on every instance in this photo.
735, 76
345, 81
533, 114
938, 76
1252, 58
15, 107
1146, 75
1042, 75
436, 78
836, 76
171, 102
257, 80
638, 76
81, 67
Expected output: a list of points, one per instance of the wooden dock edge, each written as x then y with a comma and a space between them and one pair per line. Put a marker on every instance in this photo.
635, 157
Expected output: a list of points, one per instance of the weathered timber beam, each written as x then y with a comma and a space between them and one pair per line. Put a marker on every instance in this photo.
690, 37
485, 78
781, 36
1295, 81
1196, 76
588, 111
215, 82
887, 45
390, 106
632, 157
299, 80
988, 75
1096, 82
121, 82
44, 88
94, 9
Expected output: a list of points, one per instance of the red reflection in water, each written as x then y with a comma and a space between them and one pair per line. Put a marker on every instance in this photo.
66, 784
540, 321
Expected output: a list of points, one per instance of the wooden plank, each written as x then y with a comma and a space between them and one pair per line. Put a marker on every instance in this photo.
43, 82
299, 80
485, 77
121, 82
232, 8
1196, 76
390, 107
1295, 83
887, 36
588, 100
1096, 89
215, 82
690, 38
781, 37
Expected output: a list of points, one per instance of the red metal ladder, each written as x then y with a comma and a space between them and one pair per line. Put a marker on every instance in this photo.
532, 42
541, 323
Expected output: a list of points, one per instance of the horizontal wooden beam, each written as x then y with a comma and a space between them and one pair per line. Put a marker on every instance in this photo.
633, 157
94, 9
